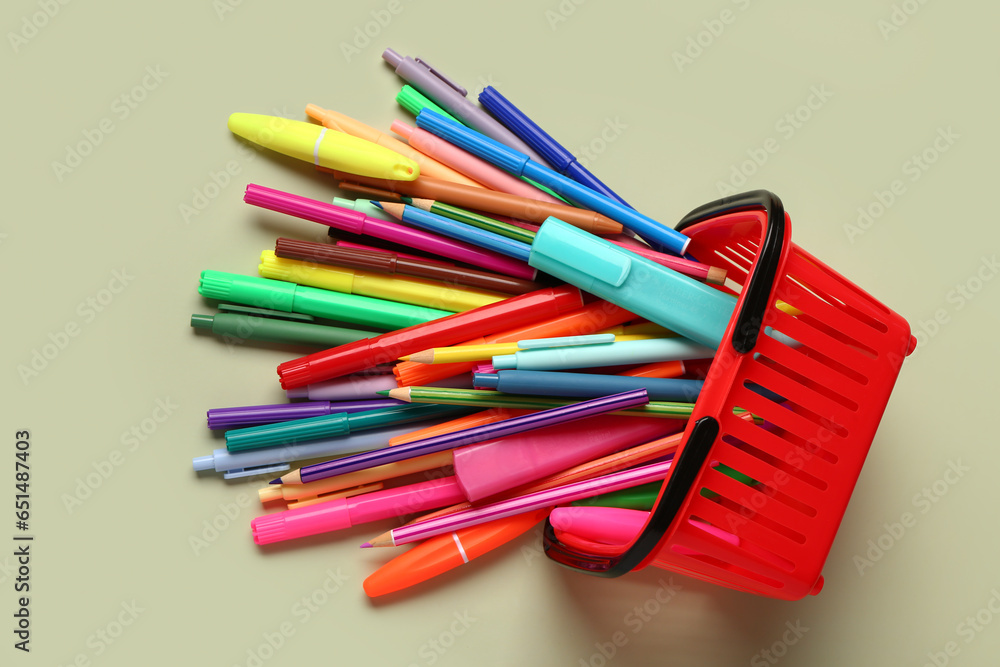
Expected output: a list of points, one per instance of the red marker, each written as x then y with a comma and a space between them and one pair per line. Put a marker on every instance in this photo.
353, 357
445, 552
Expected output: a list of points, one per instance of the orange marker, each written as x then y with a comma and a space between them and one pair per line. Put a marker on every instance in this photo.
445, 552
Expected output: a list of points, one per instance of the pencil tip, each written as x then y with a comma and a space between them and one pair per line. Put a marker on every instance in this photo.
376, 203
275, 481
366, 545
384, 392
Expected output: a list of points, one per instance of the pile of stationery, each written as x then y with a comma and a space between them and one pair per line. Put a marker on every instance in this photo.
489, 319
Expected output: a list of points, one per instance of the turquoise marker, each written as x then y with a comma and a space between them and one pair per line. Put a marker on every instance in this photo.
332, 426
661, 295
623, 353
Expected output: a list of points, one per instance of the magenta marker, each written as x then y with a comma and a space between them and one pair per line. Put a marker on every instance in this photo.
359, 223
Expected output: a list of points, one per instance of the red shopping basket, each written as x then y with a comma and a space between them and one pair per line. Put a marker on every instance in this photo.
817, 373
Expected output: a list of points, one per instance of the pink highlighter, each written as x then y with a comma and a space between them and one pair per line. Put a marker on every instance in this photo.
468, 164
605, 530
481, 470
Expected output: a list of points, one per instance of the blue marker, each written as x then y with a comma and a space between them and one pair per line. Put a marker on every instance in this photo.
557, 157
586, 385
520, 164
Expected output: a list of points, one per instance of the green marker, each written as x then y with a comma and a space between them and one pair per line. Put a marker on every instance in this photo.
242, 323
640, 497
292, 298
414, 101
333, 426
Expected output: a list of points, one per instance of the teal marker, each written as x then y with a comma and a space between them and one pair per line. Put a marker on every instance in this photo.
335, 425
292, 298
659, 294
237, 324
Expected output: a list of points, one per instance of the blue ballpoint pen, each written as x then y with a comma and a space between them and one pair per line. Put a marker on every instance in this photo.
520, 164
554, 154
451, 97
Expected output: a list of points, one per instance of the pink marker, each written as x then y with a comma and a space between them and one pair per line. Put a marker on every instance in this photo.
468, 164
346, 512
359, 223
496, 465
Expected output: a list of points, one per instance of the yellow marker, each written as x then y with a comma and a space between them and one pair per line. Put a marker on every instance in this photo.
467, 353
416, 291
323, 147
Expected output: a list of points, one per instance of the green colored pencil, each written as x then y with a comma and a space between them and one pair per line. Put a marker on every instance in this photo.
474, 219
496, 399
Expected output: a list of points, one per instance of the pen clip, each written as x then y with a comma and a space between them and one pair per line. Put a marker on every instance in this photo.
234, 309
236, 473
565, 341
430, 68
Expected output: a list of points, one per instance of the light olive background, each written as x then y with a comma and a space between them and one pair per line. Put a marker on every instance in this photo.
885, 81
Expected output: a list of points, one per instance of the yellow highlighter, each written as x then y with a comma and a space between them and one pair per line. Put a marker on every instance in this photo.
323, 147
416, 291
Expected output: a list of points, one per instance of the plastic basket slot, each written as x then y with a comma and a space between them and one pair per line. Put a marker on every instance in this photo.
861, 299
828, 392
741, 519
808, 348
722, 567
814, 283
837, 334
774, 482
758, 554
810, 430
770, 489
765, 438
754, 497
821, 316
776, 383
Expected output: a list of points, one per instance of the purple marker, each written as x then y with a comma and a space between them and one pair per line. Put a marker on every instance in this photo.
254, 415
560, 415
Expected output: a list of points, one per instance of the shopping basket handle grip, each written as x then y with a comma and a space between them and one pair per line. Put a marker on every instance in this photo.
751, 316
